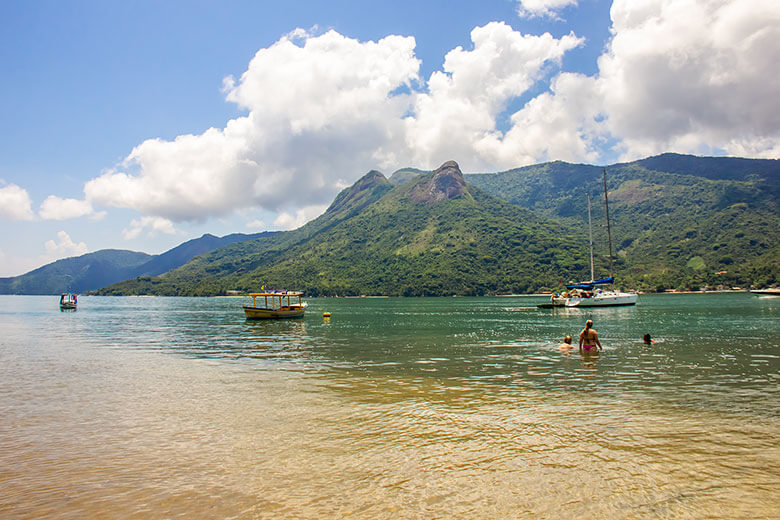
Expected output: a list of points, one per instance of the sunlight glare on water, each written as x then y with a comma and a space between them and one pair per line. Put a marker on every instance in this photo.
412, 408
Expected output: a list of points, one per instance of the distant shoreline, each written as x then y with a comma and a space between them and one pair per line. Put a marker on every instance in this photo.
377, 296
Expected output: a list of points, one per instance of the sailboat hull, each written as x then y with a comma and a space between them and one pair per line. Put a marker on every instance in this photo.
604, 299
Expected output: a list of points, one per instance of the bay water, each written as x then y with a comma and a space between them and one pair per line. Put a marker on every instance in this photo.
136, 407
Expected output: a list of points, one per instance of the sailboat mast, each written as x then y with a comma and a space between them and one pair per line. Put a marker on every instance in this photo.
590, 236
609, 233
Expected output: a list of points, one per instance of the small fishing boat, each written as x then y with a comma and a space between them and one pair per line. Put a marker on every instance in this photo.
68, 301
277, 304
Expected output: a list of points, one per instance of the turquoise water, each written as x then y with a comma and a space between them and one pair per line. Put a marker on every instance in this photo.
414, 408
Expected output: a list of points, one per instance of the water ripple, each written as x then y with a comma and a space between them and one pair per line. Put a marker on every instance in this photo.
424, 408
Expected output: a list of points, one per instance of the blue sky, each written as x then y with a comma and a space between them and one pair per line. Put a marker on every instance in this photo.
141, 124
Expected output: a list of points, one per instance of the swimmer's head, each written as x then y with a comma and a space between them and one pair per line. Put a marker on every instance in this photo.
588, 324
567, 339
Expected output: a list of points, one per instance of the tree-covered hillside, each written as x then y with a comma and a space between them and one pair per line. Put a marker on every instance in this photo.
705, 221
108, 266
710, 221
77, 274
433, 235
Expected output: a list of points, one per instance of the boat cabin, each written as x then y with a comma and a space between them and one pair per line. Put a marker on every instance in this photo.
275, 304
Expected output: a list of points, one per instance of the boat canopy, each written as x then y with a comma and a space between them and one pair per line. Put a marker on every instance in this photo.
277, 293
590, 285
277, 299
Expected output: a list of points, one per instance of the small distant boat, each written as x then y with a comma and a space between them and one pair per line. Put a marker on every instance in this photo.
766, 292
282, 304
68, 301
593, 293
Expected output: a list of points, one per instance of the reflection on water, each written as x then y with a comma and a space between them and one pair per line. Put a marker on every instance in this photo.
420, 408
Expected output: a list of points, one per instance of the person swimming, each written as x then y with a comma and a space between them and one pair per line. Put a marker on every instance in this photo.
589, 339
566, 345
647, 339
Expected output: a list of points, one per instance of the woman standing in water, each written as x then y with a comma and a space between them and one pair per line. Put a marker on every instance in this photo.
589, 339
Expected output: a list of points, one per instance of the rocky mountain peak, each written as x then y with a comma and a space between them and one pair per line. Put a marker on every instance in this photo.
359, 194
446, 183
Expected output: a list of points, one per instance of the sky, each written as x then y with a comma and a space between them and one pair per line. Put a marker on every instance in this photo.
140, 124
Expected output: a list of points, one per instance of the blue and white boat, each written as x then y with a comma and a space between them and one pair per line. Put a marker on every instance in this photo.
68, 301
595, 293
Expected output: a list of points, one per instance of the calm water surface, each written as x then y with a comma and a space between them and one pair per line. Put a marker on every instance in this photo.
392, 408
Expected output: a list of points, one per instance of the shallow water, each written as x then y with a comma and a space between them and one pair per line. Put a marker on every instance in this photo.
411, 408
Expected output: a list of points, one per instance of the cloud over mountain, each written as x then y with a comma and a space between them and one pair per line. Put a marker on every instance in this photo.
693, 76
457, 116
65, 246
320, 110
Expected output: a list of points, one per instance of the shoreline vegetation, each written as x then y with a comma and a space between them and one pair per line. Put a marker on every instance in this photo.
380, 296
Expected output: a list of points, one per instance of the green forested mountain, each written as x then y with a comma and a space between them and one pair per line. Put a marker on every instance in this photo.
433, 235
76, 274
677, 222
94, 270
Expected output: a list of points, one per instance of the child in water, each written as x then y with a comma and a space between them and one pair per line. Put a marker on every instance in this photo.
566, 345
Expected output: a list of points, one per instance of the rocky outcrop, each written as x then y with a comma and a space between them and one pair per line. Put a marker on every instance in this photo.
446, 183
365, 191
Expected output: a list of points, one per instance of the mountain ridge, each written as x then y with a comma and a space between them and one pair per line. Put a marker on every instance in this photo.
98, 269
432, 235
707, 221
726, 222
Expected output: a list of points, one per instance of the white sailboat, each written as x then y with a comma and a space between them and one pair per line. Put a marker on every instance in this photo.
595, 293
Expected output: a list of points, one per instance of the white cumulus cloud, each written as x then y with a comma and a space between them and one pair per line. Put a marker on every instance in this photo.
457, 118
693, 76
256, 224
15, 203
64, 247
151, 225
56, 208
538, 8
320, 109
690, 76
562, 124
285, 221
